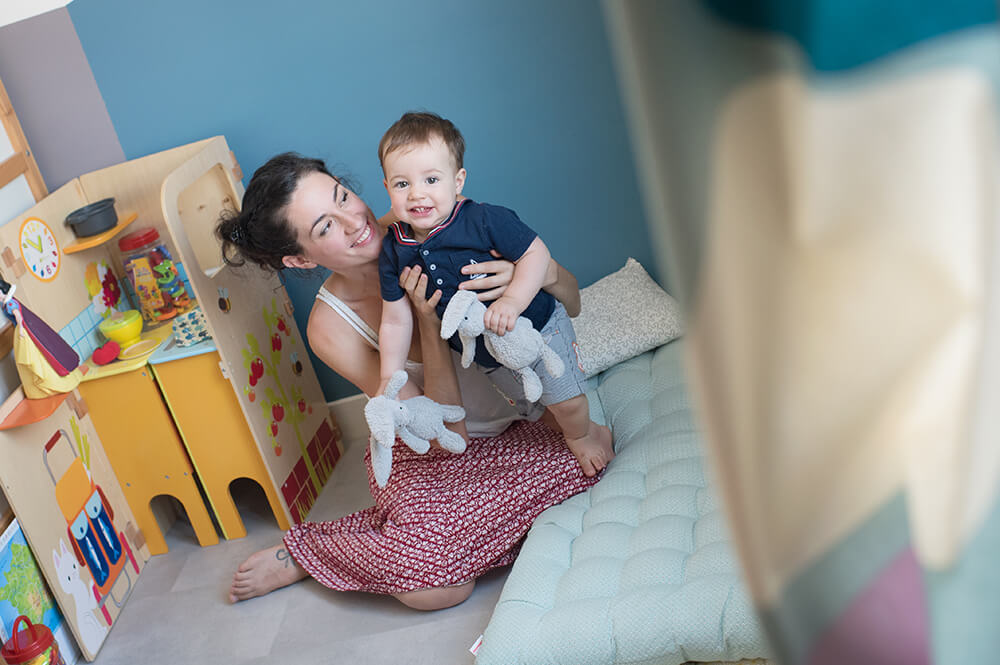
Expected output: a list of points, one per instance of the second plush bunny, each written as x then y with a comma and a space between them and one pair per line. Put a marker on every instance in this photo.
416, 421
517, 350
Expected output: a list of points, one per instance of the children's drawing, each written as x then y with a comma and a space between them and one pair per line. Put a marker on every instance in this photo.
23, 590
92, 631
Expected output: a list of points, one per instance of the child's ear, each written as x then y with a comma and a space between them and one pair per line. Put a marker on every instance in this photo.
385, 183
459, 181
297, 262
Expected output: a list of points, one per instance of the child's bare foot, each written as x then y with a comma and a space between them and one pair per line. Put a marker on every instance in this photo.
594, 450
264, 572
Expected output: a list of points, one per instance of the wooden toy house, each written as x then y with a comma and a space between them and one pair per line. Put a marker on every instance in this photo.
244, 404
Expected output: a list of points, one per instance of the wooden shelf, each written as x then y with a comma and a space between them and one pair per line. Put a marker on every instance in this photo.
19, 410
100, 238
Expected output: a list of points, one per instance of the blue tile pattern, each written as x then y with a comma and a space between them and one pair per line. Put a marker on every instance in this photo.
82, 334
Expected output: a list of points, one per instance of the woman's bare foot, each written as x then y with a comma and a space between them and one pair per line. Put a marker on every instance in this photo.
264, 572
594, 450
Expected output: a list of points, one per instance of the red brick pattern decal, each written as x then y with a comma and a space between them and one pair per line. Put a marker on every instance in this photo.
298, 489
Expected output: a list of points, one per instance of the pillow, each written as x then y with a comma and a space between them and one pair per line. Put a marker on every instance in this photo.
622, 315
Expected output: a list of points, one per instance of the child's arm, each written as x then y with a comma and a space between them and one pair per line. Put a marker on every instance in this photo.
559, 282
394, 333
440, 381
530, 272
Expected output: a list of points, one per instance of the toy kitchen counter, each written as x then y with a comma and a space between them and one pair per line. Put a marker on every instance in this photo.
167, 419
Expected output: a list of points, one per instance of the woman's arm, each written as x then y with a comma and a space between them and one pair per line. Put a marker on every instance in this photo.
563, 285
558, 281
342, 349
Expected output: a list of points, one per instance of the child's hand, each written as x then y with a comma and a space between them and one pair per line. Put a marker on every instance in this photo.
501, 316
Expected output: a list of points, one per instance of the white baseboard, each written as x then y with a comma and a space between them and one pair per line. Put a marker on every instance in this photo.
349, 413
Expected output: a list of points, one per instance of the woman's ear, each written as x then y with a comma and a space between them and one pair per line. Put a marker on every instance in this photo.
297, 262
459, 181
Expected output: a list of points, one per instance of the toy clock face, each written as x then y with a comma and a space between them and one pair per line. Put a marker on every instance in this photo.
39, 249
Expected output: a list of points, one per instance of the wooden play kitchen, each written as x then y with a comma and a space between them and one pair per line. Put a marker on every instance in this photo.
182, 414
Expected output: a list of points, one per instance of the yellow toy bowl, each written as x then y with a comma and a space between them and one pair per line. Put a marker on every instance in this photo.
122, 327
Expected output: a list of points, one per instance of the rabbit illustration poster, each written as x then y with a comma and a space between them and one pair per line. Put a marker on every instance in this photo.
75, 519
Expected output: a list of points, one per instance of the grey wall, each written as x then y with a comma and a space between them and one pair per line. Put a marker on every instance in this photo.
56, 98
60, 109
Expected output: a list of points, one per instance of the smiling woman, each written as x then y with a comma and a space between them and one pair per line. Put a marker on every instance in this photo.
423, 541
246, 235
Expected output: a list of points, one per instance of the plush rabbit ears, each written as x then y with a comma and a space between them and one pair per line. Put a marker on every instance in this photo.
455, 312
378, 415
396, 383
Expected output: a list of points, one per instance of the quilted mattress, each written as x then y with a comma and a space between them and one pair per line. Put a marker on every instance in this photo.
639, 568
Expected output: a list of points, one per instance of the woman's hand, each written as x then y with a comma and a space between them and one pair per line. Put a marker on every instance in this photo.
414, 282
498, 276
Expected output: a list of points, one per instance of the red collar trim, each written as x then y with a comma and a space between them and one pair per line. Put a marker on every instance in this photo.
402, 237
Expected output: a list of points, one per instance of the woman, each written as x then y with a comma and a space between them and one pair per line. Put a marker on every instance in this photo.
442, 519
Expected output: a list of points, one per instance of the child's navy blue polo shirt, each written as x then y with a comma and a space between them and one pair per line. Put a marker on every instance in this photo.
467, 236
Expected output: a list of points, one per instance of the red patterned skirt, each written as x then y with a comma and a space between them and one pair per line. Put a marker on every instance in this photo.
442, 519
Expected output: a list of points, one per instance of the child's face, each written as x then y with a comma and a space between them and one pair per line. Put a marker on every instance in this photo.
423, 183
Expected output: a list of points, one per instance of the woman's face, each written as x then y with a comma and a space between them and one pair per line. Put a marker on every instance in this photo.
335, 227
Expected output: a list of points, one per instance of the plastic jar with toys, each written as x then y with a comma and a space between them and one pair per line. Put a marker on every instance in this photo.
34, 645
154, 277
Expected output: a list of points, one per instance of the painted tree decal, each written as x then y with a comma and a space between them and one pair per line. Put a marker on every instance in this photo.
288, 408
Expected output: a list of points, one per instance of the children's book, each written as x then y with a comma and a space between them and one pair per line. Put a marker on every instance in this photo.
23, 591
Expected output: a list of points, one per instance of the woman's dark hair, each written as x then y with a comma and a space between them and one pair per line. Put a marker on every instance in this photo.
260, 232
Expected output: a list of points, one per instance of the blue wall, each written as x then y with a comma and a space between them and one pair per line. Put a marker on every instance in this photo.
530, 84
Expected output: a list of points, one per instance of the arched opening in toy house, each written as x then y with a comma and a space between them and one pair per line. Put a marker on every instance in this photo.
252, 504
175, 524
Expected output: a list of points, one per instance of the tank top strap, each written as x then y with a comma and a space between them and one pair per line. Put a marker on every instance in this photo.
349, 315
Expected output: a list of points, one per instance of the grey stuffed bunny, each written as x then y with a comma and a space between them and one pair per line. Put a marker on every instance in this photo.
415, 420
517, 350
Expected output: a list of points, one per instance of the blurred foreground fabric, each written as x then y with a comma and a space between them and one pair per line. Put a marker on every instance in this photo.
823, 181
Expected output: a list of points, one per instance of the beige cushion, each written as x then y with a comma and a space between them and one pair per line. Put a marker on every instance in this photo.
622, 315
